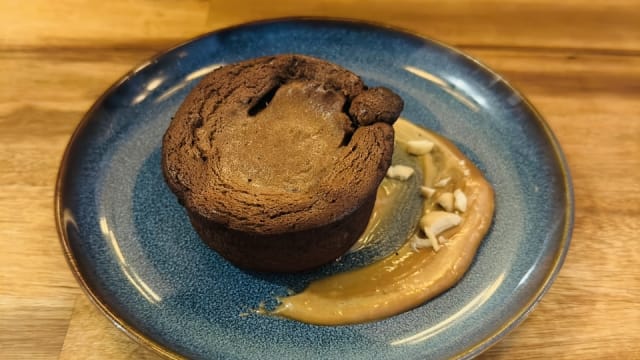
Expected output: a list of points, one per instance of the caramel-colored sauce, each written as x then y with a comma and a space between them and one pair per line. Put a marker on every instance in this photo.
406, 278
386, 202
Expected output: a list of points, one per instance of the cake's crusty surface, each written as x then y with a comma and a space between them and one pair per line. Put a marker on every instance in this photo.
279, 146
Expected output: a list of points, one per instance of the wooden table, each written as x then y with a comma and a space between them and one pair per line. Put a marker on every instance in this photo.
578, 62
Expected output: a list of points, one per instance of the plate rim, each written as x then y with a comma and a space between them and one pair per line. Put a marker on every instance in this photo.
473, 351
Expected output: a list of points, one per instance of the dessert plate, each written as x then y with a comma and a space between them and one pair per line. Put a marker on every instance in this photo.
131, 247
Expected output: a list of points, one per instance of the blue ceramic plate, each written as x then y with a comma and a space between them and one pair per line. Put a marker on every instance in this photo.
134, 252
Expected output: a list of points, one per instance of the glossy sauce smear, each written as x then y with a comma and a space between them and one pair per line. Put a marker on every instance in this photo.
408, 277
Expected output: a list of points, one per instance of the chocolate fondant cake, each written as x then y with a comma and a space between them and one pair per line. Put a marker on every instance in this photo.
277, 159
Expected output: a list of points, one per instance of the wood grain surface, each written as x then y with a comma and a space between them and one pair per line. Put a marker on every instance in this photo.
577, 61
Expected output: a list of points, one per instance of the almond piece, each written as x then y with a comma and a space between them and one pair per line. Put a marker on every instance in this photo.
427, 192
419, 147
439, 221
460, 200
446, 201
418, 242
400, 172
436, 222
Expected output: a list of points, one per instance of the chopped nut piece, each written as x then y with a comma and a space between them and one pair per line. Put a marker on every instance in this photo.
419, 242
460, 200
466, 172
439, 221
419, 147
433, 224
432, 239
446, 201
443, 182
400, 172
427, 192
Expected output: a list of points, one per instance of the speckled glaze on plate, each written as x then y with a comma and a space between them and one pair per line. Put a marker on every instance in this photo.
134, 252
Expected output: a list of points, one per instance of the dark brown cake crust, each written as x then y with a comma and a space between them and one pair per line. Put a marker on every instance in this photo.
262, 221
296, 251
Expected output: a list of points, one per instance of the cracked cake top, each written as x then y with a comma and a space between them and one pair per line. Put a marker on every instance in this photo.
279, 144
